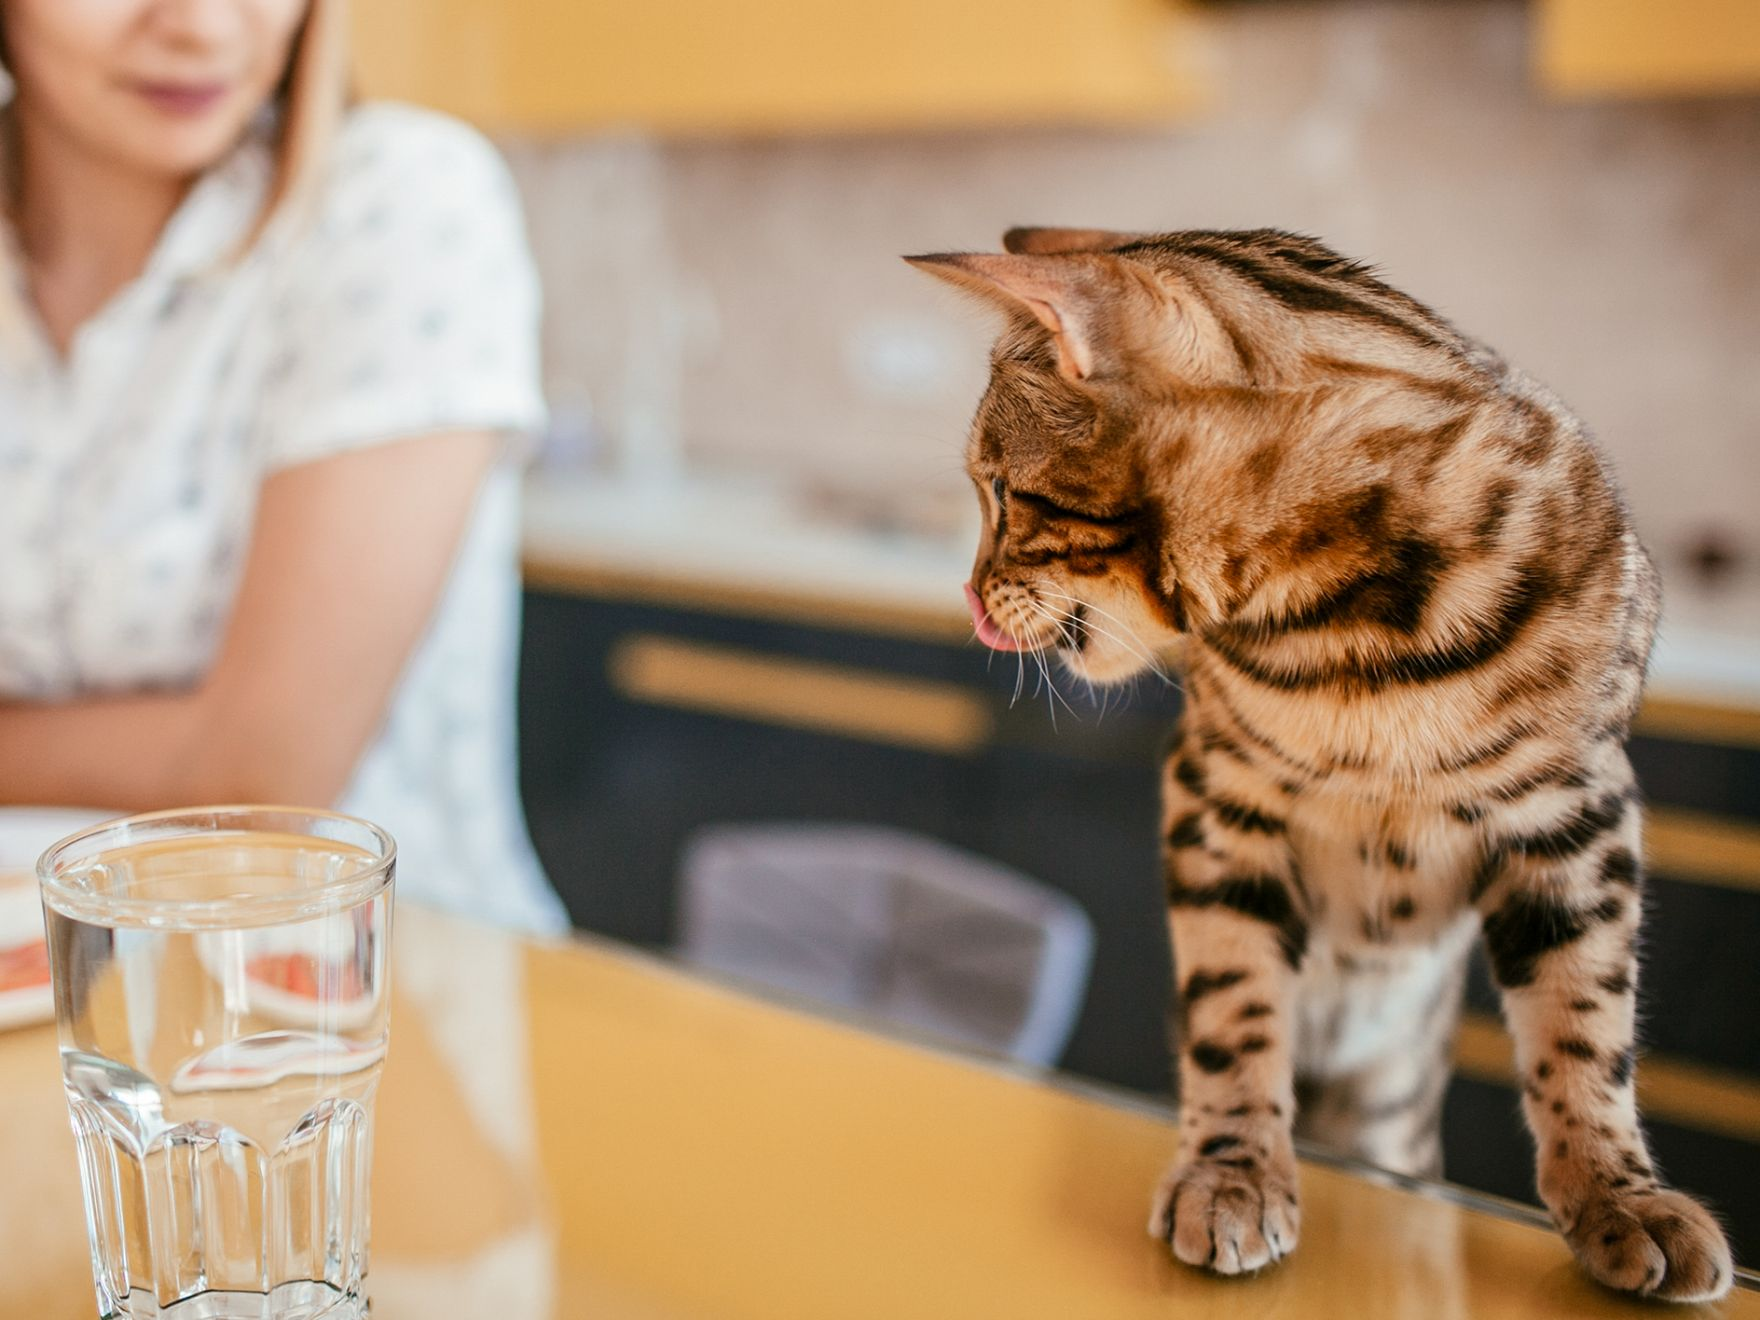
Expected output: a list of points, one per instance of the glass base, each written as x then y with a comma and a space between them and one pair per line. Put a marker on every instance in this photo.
291, 1301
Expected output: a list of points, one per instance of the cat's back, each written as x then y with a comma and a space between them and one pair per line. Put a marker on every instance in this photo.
1478, 582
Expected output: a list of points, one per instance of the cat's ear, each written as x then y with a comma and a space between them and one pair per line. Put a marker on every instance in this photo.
1052, 242
1068, 295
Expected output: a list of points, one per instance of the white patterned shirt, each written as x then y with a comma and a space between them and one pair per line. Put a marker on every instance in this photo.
130, 469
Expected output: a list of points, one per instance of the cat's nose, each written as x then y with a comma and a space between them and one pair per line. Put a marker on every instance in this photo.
985, 626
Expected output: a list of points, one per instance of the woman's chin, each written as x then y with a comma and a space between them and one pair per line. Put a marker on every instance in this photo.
184, 148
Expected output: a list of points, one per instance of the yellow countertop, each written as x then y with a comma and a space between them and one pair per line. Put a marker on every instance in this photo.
577, 1130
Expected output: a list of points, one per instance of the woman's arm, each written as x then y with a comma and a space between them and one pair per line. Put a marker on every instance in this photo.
348, 558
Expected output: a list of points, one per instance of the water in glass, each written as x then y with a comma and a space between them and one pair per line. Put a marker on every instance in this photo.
222, 1033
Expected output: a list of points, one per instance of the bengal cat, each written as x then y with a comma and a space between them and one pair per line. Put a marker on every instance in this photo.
1415, 622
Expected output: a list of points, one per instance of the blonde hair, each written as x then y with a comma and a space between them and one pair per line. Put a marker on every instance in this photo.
311, 98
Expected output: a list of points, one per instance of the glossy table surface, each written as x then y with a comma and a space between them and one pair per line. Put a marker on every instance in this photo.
576, 1130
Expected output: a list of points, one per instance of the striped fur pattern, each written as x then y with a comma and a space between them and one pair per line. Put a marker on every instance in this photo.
1414, 621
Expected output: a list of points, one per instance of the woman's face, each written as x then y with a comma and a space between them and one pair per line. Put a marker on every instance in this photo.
161, 86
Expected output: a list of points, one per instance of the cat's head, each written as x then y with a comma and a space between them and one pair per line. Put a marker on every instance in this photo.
1120, 353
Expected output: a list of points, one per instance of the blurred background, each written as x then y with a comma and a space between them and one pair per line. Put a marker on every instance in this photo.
748, 526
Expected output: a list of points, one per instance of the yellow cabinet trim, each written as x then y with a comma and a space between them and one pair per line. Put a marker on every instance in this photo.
1702, 849
542, 67
1669, 1088
1686, 720
1648, 47
845, 702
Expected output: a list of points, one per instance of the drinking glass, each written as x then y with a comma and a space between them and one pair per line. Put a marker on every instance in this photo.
220, 979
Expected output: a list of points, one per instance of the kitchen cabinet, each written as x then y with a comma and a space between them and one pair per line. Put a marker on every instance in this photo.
1648, 47
634, 736
650, 712
748, 66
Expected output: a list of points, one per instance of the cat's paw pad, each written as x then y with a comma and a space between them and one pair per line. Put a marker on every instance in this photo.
1660, 1243
1227, 1218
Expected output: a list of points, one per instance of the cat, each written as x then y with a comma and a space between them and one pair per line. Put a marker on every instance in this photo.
1414, 623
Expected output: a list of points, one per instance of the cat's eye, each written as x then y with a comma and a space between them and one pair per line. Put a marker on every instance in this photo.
996, 489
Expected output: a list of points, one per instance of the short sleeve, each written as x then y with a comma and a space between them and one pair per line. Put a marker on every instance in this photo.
410, 304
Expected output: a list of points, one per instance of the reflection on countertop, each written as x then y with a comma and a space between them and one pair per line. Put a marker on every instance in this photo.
571, 1129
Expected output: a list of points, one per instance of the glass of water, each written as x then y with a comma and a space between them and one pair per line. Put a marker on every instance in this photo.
220, 980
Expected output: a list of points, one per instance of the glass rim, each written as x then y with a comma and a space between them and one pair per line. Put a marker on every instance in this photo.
53, 867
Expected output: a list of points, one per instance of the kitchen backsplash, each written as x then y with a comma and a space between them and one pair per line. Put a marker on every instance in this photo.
719, 305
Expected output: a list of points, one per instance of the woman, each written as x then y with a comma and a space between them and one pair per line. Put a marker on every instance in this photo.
261, 357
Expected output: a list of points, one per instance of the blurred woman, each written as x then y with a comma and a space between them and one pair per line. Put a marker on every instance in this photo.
265, 359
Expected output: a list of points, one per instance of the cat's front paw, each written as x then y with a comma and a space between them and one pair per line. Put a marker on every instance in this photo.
1230, 1216
1657, 1242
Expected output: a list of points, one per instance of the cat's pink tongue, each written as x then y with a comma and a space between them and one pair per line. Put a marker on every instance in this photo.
988, 632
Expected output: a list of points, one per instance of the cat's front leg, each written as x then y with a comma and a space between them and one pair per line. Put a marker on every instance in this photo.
1559, 894
1229, 1203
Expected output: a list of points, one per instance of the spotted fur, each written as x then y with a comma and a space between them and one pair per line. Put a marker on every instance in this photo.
1414, 622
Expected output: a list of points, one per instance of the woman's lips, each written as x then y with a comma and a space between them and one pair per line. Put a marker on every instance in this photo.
188, 99
988, 632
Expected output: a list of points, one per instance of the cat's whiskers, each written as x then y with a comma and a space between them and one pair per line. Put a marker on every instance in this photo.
1046, 612
1050, 614
1020, 673
1052, 695
1130, 639
1131, 643
1039, 658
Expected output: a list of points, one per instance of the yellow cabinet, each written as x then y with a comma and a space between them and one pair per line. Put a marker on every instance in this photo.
1649, 47
713, 66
